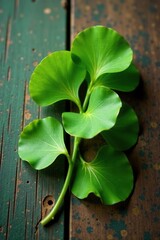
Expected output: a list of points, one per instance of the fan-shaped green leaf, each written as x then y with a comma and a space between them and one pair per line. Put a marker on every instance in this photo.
102, 50
103, 109
109, 176
41, 142
124, 81
56, 78
124, 133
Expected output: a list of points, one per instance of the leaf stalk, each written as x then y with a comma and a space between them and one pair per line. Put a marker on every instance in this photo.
71, 161
60, 199
86, 100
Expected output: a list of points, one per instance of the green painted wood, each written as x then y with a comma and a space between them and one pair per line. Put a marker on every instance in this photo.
139, 217
29, 30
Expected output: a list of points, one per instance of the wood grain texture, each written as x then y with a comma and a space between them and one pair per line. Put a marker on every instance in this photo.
29, 30
139, 217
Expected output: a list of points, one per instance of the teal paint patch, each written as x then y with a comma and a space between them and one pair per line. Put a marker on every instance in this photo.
156, 219
142, 197
144, 34
89, 229
141, 153
157, 193
78, 13
147, 236
133, 40
99, 12
152, 8
155, 208
76, 201
79, 230
144, 166
76, 216
143, 59
117, 226
157, 64
143, 37
100, 7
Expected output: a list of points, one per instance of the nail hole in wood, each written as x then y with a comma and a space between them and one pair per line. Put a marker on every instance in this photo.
47, 205
50, 202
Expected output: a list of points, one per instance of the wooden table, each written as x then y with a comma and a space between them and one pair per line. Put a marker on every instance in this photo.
29, 30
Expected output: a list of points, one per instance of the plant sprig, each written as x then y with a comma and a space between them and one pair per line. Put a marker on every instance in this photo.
102, 58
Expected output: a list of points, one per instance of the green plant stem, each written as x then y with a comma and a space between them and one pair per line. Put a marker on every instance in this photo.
71, 161
86, 100
78, 103
59, 202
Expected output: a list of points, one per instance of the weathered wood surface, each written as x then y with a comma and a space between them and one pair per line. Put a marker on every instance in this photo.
139, 217
29, 30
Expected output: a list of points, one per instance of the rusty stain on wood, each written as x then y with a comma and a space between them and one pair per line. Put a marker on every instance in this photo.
16, 7
64, 4
139, 216
47, 205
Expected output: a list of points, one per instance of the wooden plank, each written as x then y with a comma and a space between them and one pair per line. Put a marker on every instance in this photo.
138, 217
29, 30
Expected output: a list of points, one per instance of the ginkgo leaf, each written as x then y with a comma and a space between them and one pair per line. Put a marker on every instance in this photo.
124, 133
101, 50
56, 78
124, 81
109, 176
41, 142
101, 114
